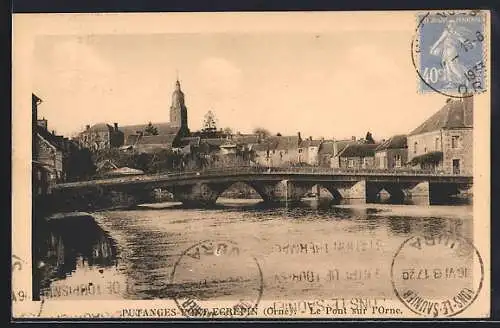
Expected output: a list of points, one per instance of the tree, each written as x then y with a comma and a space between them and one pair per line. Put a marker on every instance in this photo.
278, 134
209, 122
262, 133
369, 138
151, 130
228, 131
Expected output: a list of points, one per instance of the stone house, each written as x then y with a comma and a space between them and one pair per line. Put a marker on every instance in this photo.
325, 153
101, 136
277, 151
357, 156
444, 142
338, 146
308, 151
392, 153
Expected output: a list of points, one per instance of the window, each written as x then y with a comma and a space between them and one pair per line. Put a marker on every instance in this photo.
350, 163
415, 147
425, 150
454, 141
300, 150
436, 144
397, 160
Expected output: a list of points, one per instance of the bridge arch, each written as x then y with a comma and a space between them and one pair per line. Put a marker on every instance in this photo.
246, 190
332, 190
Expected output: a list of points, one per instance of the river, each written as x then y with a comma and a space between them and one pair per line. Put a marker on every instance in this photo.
314, 248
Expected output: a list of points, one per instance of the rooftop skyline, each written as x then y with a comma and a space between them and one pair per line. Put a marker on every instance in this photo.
335, 82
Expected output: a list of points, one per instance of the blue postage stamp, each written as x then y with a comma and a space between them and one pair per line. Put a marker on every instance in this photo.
449, 50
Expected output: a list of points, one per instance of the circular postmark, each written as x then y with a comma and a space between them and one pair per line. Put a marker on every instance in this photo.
437, 276
448, 53
216, 278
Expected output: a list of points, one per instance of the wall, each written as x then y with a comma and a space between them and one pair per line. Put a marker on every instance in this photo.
357, 162
95, 140
312, 155
277, 157
386, 159
425, 143
462, 153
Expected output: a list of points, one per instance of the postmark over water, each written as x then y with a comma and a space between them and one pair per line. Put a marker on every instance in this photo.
448, 53
217, 270
437, 276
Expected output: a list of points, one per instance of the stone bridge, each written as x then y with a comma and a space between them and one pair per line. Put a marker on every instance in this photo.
202, 188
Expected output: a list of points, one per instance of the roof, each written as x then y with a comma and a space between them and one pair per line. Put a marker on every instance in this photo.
310, 143
228, 144
166, 139
341, 144
358, 150
246, 138
278, 143
395, 142
101, 127
136, 139
327, 148
214, 141
56, 141
455, 114
124, 171
193, 141
163, 128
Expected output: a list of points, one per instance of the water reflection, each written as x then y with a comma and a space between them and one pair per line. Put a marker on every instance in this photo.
71, 245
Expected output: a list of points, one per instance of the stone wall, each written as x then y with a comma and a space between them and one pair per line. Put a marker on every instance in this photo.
464, 152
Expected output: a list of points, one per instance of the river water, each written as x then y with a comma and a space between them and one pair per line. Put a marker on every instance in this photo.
315, 249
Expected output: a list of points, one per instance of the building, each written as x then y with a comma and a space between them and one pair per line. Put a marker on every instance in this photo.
392, 153
326, 152
150, 143
101, 136
444, 142
277, 151
357, 156
308, 151
50, 155
338, 146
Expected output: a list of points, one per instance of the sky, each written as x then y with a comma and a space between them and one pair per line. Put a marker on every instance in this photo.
324, 83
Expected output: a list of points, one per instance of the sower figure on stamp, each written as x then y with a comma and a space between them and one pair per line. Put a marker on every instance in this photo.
447, 46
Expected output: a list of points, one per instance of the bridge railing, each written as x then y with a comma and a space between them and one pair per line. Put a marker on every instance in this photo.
310, 170
239, 170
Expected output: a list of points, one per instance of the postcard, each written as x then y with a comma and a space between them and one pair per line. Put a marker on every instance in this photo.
248, 166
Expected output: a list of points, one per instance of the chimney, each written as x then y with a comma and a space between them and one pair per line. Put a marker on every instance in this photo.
116, 126
353, 138
87, 127
310, 138
298, 135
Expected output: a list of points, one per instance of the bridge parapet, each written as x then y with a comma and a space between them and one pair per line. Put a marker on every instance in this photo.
264, 171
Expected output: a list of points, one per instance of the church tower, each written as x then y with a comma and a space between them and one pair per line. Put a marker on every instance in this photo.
178, 110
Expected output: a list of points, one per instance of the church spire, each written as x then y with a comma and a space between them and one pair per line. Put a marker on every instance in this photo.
178, 110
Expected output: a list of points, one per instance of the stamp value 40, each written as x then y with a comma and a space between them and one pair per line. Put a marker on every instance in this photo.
448, 53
